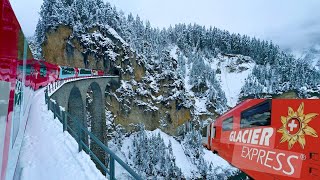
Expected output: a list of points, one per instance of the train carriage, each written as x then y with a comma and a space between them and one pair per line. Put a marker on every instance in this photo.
20, 76
96, 72
14, 93
52, 71
269, 139
67, 72
100, 72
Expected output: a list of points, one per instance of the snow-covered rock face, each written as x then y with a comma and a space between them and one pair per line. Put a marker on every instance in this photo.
310, 54
169, 76
168, 157
232, 72
200, 82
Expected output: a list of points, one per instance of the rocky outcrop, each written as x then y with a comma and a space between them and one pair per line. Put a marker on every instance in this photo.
128, 106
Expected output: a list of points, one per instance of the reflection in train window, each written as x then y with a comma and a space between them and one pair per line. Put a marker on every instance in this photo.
85, 71
259, 115
227, 124
67, 70
43, 71
28, 69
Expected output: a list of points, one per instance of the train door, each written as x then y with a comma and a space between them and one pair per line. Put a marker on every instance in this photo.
204, 134
225, 145
212, 135
216, 135
209, 135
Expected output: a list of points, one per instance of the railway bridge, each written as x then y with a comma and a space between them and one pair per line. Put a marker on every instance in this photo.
72, 96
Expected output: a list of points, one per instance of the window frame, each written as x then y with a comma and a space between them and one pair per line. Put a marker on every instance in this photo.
243, 125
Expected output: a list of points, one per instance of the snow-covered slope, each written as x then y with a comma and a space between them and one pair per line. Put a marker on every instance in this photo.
230, 70
49, 153
233, 72
182, 161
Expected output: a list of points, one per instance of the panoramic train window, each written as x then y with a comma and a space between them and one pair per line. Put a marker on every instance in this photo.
85, 71
259, 115
227, 124
67, 70
28, 69
43, 71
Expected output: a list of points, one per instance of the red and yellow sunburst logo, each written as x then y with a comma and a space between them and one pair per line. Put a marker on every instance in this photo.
295, 127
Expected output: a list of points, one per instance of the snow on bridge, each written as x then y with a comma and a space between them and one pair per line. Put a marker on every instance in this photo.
49, 153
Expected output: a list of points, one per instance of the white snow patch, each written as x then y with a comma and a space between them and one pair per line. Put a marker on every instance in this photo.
200, 105
187, 85
173, 52
216, 160
188, 169
49, 153
116, 35
181, 159
232, 82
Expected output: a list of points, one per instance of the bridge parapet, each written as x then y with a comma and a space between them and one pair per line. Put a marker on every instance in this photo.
79, 131
72, 95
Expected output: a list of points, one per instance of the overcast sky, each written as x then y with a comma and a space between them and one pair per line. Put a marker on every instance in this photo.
289, 23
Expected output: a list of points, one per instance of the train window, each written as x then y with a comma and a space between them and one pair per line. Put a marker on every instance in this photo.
28, 69
85, 71
20, 69
204, 131
43, 71
259, 115
227, 124
67, 70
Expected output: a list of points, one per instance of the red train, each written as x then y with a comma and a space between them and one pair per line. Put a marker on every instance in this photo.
40, 73
20, 76
269, 139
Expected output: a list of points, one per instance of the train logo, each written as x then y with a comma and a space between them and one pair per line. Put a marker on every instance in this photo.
295, 127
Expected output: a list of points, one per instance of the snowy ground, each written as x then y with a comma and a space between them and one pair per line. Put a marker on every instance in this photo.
48, 153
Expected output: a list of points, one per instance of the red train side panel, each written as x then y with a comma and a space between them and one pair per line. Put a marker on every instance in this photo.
9, 36
20, 75
270, 139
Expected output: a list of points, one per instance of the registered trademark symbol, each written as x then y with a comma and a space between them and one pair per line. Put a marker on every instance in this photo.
303, 157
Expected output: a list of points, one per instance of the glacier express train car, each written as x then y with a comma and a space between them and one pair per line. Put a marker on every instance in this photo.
71, 72
269, 138
97, 72
16, 83
67, 72
20, 77
38, 73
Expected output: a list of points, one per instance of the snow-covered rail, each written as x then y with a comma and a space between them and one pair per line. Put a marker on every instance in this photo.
54, 86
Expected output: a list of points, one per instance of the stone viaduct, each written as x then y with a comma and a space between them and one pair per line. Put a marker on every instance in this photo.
73, 97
